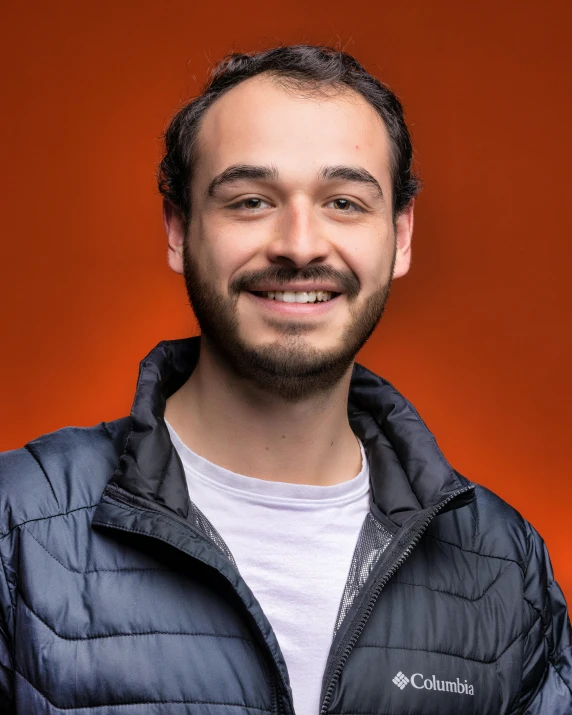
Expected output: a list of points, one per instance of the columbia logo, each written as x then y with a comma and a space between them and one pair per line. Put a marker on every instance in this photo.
420, 682
400, 680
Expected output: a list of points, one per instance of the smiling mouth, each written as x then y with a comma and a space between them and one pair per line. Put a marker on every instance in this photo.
290, 296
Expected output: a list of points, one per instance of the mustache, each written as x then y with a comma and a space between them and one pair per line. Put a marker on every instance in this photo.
345, 281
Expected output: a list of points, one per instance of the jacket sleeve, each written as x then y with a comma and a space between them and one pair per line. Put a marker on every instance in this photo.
547, 657
6, 667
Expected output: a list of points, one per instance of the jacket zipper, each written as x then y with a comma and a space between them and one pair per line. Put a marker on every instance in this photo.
376, 590
119, 496
366, 611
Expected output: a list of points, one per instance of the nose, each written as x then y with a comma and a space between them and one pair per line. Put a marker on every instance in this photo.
298, 238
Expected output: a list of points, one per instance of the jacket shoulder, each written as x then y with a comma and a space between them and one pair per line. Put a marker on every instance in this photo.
58, 472
488, 526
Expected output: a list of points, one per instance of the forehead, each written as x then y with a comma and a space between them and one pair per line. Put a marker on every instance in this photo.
261, 121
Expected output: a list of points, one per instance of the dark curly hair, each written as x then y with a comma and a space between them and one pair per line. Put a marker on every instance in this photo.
307, 67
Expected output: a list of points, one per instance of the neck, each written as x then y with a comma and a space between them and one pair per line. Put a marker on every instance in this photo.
240, 427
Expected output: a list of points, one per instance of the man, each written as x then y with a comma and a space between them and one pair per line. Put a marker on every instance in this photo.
273, 529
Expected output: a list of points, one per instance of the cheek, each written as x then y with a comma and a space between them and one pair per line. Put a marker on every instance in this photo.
218, 261
209, 251
226, 249
371, 261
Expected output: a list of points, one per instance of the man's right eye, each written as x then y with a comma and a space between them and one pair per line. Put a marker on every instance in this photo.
251, 203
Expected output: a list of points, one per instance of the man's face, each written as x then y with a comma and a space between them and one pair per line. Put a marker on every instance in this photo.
291, 245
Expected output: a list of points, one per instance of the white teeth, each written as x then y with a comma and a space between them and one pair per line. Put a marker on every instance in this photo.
301, 296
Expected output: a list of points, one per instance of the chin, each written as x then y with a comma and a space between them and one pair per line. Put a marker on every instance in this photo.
294, 342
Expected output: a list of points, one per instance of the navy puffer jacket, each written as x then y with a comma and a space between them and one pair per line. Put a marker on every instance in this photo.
117, 597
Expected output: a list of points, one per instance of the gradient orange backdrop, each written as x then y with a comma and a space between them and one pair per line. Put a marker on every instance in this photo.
477, 336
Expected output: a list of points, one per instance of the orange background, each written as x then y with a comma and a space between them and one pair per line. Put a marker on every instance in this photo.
477, 335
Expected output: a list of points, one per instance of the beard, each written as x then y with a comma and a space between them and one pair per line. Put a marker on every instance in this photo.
289, 368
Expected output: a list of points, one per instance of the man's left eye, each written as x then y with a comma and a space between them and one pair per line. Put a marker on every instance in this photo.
345, 205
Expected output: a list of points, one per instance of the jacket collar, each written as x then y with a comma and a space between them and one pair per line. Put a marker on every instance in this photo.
408, 471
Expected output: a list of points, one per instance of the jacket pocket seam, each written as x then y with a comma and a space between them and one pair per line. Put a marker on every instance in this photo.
457, 595
91, 571
470, 551
139, 702
44, 518
440, 652
131, 635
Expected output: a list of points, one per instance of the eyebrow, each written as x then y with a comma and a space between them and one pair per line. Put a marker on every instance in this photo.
240, 172
351, 173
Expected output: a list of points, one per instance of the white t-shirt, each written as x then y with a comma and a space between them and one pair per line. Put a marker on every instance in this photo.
293, 545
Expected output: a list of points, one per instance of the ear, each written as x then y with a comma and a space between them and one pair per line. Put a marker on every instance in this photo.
174, 225
403, 235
